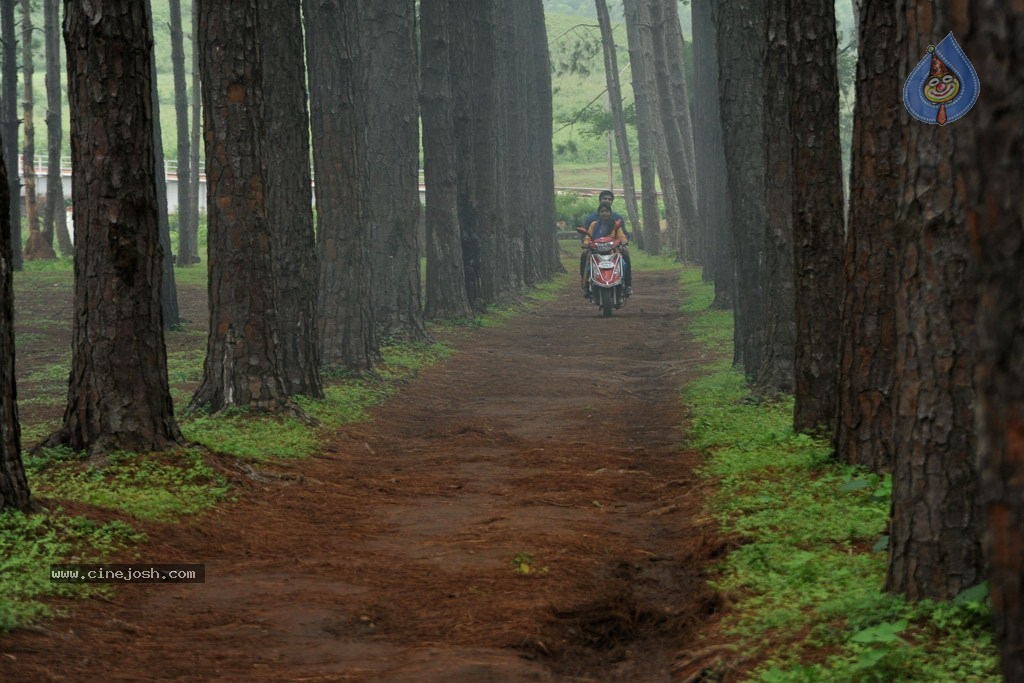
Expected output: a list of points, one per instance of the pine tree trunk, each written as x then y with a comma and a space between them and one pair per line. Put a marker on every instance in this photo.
37, 246
14, 491
611, 72
114, 404
741, 35
994, 143
675, 124
55, 218
192, 256
389, 119
868, 334
650, 141
446, 279
712, 183
186, 230
540, 155
168, 287
817, 210
347, 334
686, 240
10, 125
241, 367
777, 369
512, 221
464, 95
289, 194
935, 546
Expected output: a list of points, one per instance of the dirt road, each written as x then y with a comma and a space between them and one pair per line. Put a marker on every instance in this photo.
390, 556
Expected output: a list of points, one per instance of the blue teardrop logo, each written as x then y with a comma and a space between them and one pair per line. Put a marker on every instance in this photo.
943, 86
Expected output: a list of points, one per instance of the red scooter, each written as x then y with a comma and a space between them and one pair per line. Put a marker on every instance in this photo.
604, 274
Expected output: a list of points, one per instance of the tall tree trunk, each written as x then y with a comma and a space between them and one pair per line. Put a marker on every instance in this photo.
540, 153
476, 116
994, 144
611, 74
674, 113
777, 371
14, 491
709, 154
935, 546
868, 333
687, 240
740, 26
192, 256
289, 194
168, 287
347, 334
817, 209
389, 86
186, 230
10, 125
650, 140
464, 96
241, 367
113, 404
509, 92
36, 247
446, 279
55, 219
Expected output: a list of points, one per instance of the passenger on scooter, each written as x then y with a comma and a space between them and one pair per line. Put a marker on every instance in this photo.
606, 198
607, 226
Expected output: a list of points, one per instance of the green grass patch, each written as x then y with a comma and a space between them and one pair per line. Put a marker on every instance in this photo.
149, 486
30, 543
806, 584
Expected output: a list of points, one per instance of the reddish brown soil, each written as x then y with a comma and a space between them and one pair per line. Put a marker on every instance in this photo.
388, 557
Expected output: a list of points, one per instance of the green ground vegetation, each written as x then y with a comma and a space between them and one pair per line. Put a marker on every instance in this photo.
804, 584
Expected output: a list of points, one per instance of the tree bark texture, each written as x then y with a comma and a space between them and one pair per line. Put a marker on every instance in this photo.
675, 119
709, 154
10, 124
508, 90
114, 404
168, 287
14, 491
289, 194
192, 256
241, 367
990, 152
935, 542
650, 141
542, 243
37, 246
473, 69
817, 209
611, 71
347, 335
741, 38
55, 218
388, 82
687, 239
868, 329
777, 365
186, 230
446, 279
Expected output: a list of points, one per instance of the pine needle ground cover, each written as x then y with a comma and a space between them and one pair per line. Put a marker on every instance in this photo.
804, 584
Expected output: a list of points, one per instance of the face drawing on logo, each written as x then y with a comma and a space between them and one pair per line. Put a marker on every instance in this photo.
941, 90
942, 86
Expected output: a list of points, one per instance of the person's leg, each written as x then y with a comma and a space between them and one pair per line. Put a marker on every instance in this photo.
627, 272
583, 272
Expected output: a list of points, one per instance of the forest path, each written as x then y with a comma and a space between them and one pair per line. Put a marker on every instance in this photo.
389, 557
